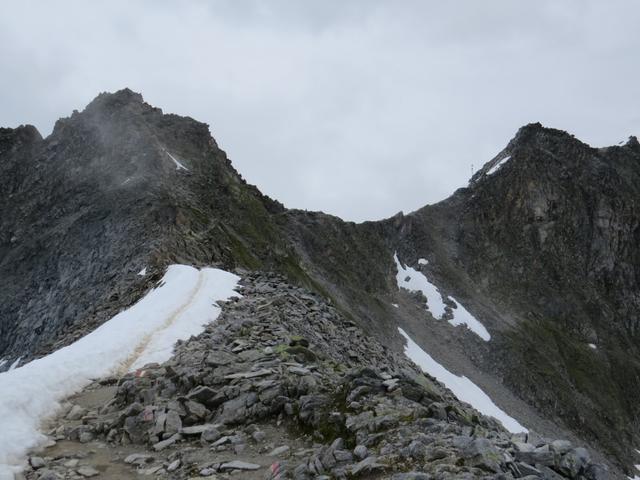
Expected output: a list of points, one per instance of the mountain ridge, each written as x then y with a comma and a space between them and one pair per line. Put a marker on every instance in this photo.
510, 247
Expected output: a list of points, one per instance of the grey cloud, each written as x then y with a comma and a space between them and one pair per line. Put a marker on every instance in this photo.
358, 108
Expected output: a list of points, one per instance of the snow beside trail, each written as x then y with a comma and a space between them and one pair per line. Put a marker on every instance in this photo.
497, 166
462, 387
144, 333
415, 281
179, 166
462, 317
410, 279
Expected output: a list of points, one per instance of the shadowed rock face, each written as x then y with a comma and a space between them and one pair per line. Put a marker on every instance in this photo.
542, 248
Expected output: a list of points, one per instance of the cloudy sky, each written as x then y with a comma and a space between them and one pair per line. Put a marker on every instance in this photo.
360, 108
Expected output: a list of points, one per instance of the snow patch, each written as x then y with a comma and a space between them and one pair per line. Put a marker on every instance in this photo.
143, 272
497, 166
462, 387
412, 280
461, 316
423, 261
395, 305
592, 345
144, 333
179, 166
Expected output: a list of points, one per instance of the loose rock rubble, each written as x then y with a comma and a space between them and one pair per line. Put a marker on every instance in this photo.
282, 386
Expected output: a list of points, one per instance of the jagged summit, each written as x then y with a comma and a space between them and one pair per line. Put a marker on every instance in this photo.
115, 99
539, 152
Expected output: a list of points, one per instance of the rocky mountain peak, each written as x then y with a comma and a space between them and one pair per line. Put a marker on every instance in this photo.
15, 138
107, 109
125, 98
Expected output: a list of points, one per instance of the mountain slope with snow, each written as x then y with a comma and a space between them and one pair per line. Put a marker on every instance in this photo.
521, 273
178, 308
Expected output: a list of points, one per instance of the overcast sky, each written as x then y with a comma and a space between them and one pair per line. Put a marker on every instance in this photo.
357, 108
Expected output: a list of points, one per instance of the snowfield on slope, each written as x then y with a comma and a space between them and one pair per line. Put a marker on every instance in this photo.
462, 387
144, 333
415, 281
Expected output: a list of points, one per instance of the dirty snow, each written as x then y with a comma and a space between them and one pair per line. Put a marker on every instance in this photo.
462, 317
462, 387
143, 272
497, 166
2, 362
179, 166
423, 261
145, 332
412, 280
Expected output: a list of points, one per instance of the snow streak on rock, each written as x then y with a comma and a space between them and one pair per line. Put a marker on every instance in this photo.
179, 166
497, 166
462, 317
462, 387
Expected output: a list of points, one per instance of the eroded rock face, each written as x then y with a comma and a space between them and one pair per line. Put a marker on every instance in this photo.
296, 369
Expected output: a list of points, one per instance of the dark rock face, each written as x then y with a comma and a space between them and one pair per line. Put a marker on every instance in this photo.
99, 200
542, 248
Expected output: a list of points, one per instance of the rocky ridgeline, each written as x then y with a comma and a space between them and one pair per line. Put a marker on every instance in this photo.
283, 386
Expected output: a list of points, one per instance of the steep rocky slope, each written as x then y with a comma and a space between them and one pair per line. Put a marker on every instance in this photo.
284, 387
541, 248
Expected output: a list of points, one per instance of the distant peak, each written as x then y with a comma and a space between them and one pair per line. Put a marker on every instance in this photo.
122, 102
117, 99
536, 133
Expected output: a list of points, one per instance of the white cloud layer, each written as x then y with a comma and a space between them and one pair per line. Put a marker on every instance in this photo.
359, 108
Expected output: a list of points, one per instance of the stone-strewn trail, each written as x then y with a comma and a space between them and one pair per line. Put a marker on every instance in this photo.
283, 386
